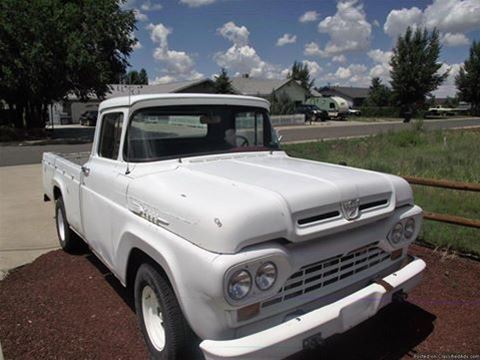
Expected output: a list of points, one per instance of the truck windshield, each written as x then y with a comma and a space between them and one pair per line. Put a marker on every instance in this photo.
180, 131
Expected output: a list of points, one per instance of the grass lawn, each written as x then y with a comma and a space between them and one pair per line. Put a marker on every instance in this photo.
451, 154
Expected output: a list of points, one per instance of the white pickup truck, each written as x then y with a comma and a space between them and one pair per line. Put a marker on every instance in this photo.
189, 201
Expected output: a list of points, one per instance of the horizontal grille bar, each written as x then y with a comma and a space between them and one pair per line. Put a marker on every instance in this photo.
327, 272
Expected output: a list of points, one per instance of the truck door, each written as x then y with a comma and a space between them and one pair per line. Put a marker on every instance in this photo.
98, 193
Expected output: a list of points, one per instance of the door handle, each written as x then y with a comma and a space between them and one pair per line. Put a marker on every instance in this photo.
85, 170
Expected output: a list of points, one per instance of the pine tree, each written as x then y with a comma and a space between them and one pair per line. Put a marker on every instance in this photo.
415, 69
379, 94
222, 84
301, 73
468, 79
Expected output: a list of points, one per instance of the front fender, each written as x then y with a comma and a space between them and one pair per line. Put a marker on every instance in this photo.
196, 281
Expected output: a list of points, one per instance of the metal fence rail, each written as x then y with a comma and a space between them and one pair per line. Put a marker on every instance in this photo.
455, 185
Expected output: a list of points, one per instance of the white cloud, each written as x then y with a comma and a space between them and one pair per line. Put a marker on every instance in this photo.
162, 80
241, 58
457, 39
352, 75
379, 56
376, 23
138, 45
139, 16
178, 65
313, 68
309, 16
448, 16
284, 73
286, 39
149, 6
382, 61
346, 72
448, 88
348, 29
197, 3
236, 34
339, 59
159, 34
312, 49
453, 15
398, 21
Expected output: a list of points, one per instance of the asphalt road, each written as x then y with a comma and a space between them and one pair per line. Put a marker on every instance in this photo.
335, 130
32, 154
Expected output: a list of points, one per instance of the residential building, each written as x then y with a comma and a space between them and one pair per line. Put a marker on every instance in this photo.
246, 85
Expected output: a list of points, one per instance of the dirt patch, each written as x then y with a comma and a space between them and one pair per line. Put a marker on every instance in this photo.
64, 306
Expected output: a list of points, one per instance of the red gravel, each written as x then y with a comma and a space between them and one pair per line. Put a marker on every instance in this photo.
64, 306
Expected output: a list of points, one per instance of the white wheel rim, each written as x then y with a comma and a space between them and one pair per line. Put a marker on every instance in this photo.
153, 318
61, 225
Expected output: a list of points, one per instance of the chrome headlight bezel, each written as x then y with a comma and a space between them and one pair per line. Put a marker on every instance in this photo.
396, 234
409, 228
266, 267
247, 277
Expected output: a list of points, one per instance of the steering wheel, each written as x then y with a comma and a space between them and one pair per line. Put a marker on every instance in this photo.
244, 140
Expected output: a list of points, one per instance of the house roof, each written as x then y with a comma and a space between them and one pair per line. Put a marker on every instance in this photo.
351, 92
255, 86
117, 90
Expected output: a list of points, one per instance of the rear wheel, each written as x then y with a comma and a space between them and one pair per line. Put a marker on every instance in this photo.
69, 241
164, 327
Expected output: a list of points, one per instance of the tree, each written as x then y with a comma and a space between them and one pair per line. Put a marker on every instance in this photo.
301, 73
222, 83
468, 79
50, 48
133, 77
281, 104
379, 94
415, 69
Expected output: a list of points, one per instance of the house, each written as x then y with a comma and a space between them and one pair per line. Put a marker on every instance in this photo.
246, 85
355, 96
72, 107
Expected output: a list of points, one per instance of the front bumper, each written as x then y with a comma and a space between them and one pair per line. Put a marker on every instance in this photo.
288, 338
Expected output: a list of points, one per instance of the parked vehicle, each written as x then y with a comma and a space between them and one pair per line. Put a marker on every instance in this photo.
89, 118
336, 107
354, 112
311, 112
190, 202
442, 111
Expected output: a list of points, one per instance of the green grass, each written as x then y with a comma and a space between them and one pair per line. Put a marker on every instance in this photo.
451, 155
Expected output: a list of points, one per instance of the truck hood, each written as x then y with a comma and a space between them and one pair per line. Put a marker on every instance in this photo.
225, 203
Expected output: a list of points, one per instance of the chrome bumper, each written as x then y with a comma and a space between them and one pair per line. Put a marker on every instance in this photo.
293, 335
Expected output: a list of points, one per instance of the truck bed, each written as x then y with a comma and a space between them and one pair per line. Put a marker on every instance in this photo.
63, 171
78, 158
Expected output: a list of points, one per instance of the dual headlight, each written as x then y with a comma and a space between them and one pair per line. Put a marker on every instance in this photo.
240, 282
402, 230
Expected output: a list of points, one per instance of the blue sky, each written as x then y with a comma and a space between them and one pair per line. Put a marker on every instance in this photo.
343, 42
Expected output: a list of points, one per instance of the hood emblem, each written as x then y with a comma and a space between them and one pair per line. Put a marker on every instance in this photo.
350, 208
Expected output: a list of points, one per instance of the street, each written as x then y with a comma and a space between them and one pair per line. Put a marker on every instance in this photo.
32, 154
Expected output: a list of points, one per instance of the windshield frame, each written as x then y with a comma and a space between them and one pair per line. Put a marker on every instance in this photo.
272, 143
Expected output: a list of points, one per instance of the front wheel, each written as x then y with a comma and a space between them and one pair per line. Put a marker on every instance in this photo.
164, 327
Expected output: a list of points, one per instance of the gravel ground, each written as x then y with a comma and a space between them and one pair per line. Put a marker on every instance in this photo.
64, 306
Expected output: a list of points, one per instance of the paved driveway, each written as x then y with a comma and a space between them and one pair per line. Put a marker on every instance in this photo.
27, 228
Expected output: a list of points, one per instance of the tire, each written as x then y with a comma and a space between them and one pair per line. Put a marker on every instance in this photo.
69, 241
167, 333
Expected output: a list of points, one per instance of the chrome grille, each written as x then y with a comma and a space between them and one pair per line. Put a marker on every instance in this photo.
324, 274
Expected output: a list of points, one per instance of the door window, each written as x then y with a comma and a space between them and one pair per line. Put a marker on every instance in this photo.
110, 135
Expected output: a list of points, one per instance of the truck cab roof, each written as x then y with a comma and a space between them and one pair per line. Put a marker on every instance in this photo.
185, 99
